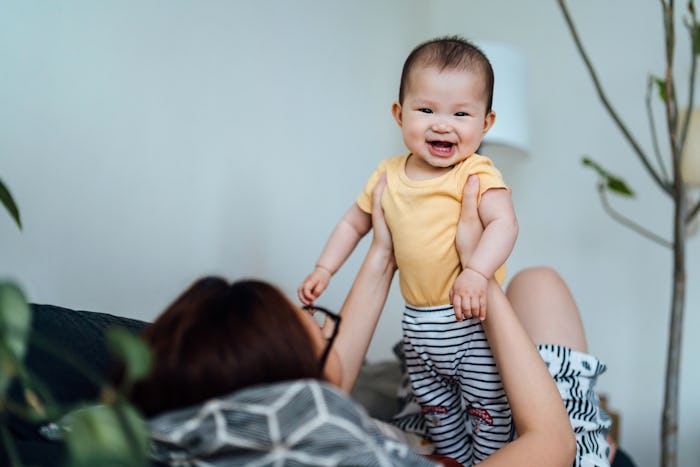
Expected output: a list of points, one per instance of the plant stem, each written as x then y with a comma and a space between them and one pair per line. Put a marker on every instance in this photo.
652, 129
692, 28
602, 191
692, 213
677, 190
606, 103
8, 442
128, 430
669, 419
669, 422
693, 31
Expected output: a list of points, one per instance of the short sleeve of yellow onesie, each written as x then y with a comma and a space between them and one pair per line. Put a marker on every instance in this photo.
423, 216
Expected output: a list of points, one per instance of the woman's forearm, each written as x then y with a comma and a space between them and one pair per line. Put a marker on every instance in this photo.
361, 310
545, 437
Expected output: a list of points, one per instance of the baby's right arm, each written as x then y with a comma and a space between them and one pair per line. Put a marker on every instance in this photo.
354, 225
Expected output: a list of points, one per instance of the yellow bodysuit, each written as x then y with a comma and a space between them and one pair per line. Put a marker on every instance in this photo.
423, 216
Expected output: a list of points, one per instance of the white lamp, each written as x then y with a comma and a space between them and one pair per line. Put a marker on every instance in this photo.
511, 132
690, 159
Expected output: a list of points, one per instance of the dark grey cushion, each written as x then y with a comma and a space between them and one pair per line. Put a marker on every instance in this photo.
376, 388
67, 353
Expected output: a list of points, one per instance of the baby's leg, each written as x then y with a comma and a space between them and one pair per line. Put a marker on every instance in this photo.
549, 314
431, 337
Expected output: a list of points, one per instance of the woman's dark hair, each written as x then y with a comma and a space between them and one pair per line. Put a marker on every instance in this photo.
217, 338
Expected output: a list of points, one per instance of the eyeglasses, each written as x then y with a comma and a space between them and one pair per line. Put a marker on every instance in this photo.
329, 323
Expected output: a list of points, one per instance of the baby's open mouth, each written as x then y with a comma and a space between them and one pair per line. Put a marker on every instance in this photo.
441, 148
441, 144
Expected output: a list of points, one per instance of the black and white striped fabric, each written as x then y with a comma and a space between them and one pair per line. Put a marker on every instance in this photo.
575, 374
456, 384
299, 423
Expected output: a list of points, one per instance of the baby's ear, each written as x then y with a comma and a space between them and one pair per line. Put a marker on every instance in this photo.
396, 112
489, 121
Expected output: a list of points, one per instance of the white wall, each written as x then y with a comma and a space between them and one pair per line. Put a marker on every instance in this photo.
148, 144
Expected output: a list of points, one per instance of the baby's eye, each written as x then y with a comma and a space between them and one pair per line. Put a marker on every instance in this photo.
461, 114
425, 110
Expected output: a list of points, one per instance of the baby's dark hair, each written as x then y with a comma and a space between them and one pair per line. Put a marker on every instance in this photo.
449, 53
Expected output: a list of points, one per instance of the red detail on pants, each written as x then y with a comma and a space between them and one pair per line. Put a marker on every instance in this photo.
483, 414
432, 409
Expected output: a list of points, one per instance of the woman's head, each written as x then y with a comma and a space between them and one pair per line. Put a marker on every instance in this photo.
219, 337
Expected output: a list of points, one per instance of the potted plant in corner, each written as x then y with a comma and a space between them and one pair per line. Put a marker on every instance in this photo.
104, 432
665, 171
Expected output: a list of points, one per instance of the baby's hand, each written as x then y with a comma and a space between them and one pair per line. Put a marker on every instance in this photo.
468, 295
314, 285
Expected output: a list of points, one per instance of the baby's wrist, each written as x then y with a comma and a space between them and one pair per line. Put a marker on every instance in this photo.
325, 269
476, 271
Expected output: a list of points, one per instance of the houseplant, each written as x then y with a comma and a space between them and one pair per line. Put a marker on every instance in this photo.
104, 432
669, 181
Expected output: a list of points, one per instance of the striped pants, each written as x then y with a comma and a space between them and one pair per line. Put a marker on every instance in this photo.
575, 375
456, 384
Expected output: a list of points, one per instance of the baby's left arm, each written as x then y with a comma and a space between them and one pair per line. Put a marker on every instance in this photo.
497, 215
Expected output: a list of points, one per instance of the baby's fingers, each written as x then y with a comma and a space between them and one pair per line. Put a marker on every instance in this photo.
482, 307
457, 306
318, 289
303, 295
467, 305
306, 292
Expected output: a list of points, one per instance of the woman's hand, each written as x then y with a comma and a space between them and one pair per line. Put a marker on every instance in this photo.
468, 293
469, 228
382, 235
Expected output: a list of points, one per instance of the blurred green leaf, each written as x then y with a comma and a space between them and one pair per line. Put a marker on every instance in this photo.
132, 351
660, 87
612, 182
38, 409
9, 204
15, 322
696, 39
106, 435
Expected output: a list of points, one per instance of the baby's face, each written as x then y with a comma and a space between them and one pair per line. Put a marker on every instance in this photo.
443, 117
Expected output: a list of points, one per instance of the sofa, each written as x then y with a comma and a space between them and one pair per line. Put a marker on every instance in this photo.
79, 335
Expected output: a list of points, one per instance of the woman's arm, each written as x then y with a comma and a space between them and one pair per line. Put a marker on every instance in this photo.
545, 437
365, 301
544, 431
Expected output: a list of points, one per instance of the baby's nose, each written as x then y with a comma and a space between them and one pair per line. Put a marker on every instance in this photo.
441, 126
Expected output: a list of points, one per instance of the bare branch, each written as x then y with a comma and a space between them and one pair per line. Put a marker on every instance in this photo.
606, 103
670, 97
692, 26
9, 444
652, 129
692, 213
602, 191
